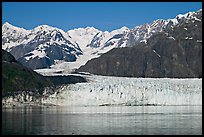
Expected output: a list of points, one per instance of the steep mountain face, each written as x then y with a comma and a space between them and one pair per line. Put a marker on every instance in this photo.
16, 77
143, 32
105, 41
173, 52
40, 47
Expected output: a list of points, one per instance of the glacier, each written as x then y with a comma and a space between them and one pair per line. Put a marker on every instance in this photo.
108, 90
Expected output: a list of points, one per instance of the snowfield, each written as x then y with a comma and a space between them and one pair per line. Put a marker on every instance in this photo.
107, 90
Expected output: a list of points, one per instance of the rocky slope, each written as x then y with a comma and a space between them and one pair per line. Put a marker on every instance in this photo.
174, 52
143, 32
17, 78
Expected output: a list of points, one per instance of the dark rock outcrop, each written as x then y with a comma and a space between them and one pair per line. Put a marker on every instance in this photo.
60, 80
173, 53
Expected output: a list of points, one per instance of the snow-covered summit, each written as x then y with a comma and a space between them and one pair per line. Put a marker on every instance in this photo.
121, 30
50, 29
186, 15
7, 26
44, 27
83, 36
142, 32
101, 39
12, 36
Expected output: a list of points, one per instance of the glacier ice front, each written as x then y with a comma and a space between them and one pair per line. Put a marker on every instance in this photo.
106, 90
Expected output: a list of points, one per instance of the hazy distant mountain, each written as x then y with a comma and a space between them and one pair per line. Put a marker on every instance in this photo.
175, 51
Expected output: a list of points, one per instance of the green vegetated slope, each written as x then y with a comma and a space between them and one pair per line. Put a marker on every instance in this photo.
16, 77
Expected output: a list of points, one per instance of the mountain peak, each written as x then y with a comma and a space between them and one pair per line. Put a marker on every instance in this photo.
124, 28
90, 27
7, 26
200, 10
44, 27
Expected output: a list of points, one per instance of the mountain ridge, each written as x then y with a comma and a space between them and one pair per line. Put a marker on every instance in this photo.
79, 45
175, 52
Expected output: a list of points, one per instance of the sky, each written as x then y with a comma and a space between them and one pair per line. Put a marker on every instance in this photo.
105, 16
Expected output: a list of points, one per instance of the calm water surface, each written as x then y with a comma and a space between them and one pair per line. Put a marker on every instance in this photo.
102, 120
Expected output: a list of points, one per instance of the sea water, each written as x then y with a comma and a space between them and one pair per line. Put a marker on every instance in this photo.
102, 120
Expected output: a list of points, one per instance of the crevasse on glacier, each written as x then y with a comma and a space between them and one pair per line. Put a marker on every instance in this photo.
104, 90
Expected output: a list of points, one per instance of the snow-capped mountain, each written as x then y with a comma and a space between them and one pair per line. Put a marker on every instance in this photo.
83, 36
143, 32
92, 42
172, 52
12, 36
41, 46
107, 40
46, 46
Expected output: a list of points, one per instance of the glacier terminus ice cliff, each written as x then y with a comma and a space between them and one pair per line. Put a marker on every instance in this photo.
107, 90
